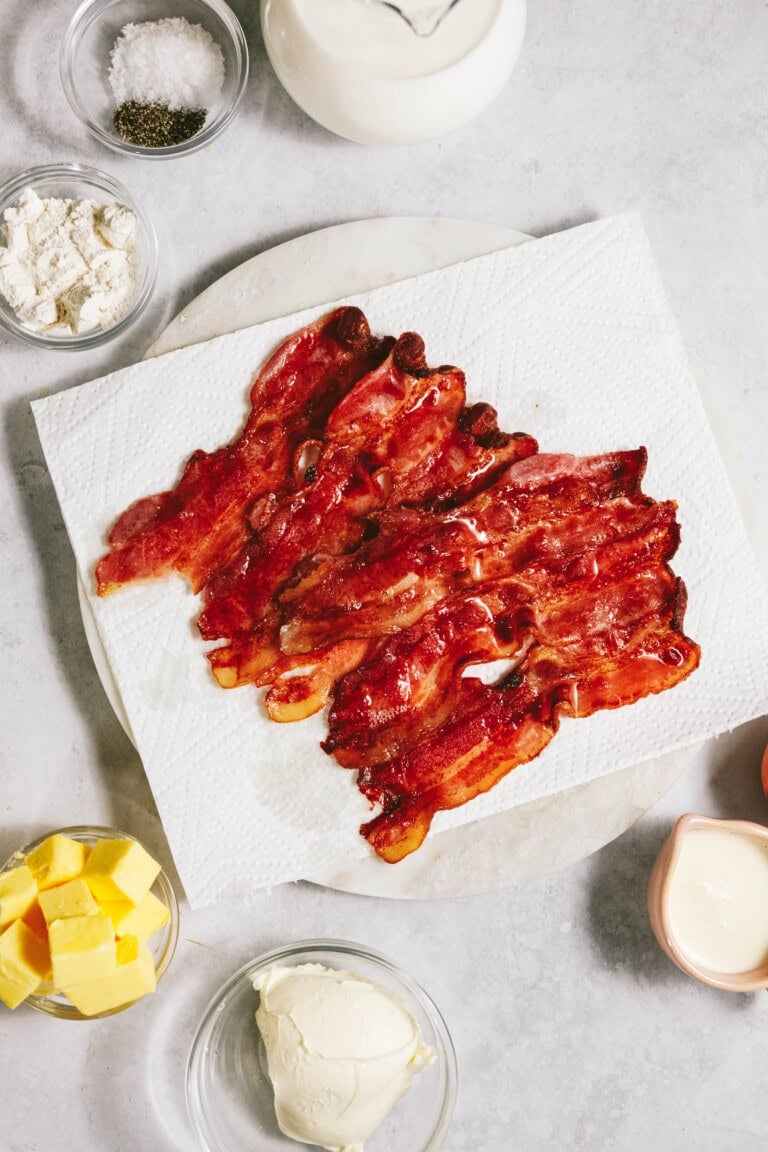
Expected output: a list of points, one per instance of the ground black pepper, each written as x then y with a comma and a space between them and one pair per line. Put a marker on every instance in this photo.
155, 125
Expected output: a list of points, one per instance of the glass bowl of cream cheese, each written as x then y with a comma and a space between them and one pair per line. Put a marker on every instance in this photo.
375, 1052
78, 257
708, 901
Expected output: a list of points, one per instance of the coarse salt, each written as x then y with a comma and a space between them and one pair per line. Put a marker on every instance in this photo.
168, 62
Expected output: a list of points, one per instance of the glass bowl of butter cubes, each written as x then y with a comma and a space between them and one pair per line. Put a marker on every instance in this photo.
88, 923
78, 257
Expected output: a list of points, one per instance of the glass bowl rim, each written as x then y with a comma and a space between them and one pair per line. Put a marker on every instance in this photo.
87, 14
338, 947
96, 179
43, 1003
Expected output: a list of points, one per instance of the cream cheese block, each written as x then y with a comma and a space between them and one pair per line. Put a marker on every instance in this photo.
340, 1050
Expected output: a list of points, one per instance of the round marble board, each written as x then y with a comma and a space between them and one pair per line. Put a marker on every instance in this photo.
531, 840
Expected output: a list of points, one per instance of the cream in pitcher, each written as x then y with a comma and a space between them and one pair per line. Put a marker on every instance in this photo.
708, 901
718, 899
393, 73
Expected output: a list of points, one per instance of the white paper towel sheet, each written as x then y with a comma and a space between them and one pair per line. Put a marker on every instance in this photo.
571, 338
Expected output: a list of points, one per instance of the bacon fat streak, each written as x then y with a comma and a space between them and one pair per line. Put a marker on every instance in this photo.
370, 539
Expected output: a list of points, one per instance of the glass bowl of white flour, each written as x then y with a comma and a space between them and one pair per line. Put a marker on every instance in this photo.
78, 257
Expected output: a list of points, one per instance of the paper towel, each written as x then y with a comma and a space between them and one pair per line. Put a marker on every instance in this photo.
571, 338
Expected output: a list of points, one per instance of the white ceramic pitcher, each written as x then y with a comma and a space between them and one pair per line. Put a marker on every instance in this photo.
400, 72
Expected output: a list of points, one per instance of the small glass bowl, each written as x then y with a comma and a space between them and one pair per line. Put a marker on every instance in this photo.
84, 65
229, 1094
162, 944
78, 182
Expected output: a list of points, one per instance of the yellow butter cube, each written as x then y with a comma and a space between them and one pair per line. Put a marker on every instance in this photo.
35, 920
82, 949
24, 963
133, 978
71, 899
146, 917
56, 860
120, 870
18, 893
117, 910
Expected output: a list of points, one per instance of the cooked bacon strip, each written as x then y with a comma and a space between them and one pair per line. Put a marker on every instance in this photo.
384, 438
300, 686
380, 417
332, 510
472, 457
199, 525
382, 432
418, 558
493, 729
385, 706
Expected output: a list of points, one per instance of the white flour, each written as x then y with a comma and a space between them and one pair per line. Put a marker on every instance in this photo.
68, 266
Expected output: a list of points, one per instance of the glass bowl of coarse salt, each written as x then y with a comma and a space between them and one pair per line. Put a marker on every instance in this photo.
154, 78
78, 257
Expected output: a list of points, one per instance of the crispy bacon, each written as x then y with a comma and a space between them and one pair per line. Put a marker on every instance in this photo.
495, 728
385, 705
532, 513
379, 419
299, 687
370, 539
198, 526
392, 435
471, 457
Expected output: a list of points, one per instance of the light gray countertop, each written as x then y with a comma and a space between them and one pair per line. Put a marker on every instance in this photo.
573, 1030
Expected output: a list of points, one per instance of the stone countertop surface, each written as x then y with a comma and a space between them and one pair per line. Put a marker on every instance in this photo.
573, 1030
